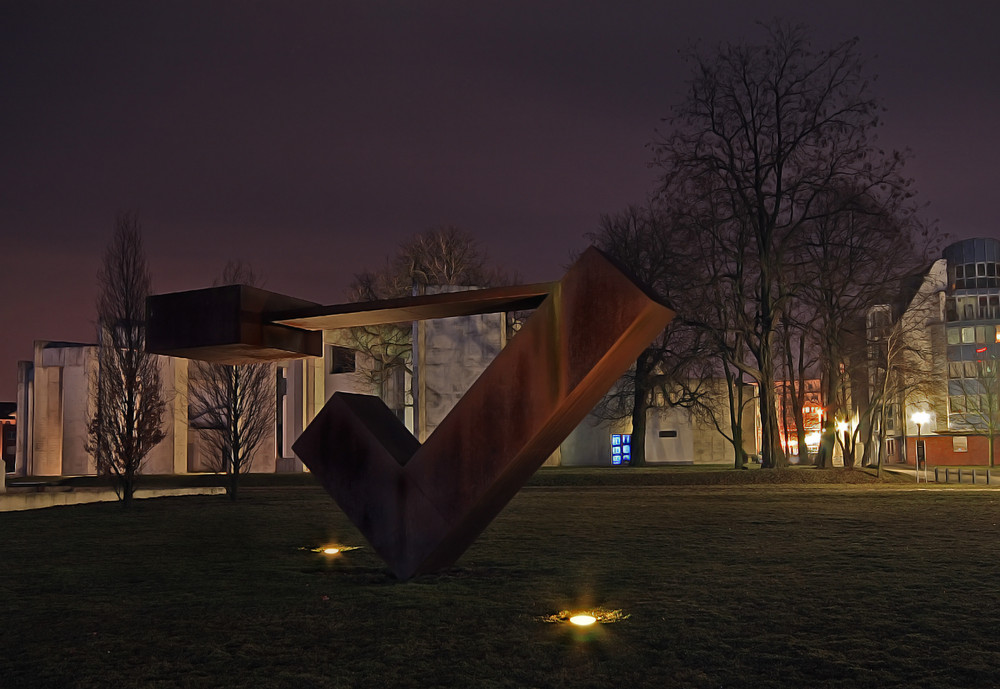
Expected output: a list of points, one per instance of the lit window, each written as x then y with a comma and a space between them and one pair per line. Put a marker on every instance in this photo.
968, 335
621, 449
342, 360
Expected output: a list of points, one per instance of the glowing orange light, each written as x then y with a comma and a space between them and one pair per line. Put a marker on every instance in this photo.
583, 620
331, 551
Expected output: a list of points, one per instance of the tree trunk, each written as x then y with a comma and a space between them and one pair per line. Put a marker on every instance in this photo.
772, 456
831, 402
734, 386
128, 489
640, 404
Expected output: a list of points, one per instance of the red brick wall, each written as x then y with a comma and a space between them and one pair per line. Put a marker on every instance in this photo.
940, 451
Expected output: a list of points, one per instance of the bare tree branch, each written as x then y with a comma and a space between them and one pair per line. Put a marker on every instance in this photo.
126, 394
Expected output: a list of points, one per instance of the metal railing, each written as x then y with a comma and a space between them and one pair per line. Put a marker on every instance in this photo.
959, 473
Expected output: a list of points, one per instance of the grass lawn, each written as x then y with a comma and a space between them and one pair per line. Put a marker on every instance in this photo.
724, 586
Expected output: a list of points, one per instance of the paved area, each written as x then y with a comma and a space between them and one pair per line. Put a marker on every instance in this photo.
12, 501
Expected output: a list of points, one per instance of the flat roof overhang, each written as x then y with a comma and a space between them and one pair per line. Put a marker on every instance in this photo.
469, 302
237, 324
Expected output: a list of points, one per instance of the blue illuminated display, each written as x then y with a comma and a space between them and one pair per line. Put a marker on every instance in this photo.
621, 449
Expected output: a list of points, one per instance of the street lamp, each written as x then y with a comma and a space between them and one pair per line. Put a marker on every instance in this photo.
919, 418
842, 429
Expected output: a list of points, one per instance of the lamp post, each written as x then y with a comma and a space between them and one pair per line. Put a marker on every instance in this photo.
919, 418
842, 429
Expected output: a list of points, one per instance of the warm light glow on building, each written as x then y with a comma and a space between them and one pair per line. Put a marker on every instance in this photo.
583, 620
812, 414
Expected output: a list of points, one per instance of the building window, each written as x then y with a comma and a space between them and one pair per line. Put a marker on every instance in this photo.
342, 360
890, 447
621, 449
968, 335
960, 443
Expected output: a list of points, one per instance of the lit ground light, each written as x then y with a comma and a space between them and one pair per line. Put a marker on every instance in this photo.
585, 618
333, 550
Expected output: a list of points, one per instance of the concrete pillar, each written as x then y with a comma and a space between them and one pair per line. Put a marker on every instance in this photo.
47, 433
77, 363
25, 417
294, 420
178, 409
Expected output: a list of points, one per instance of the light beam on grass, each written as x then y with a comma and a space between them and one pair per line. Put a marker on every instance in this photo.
585, 618
332, 550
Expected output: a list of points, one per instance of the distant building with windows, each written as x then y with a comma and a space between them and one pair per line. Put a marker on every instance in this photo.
949, 327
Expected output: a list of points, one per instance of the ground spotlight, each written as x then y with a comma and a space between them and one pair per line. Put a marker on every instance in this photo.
586, 618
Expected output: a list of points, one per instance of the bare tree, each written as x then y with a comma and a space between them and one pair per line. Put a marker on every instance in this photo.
900, 363
670, 371
440, 256
126, 395
763, 135
852, 258
233, 405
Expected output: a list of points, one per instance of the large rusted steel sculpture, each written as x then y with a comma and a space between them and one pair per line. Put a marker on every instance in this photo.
421, 507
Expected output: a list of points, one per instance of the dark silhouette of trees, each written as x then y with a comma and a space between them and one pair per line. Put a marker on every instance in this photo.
126, 394
671, 370
233, 405
851, 259
772, 141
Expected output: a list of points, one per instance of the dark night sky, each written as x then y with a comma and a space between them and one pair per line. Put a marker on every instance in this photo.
309, 138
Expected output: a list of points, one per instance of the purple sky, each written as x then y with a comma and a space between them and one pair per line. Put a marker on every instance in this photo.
310, 138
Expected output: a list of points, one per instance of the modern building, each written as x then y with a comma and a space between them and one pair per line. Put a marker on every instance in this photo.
947, 337
446, 356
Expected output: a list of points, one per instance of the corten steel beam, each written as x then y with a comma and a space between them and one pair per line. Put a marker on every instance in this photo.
421, 507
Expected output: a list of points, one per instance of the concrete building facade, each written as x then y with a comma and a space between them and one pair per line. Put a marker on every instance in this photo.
447, 356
